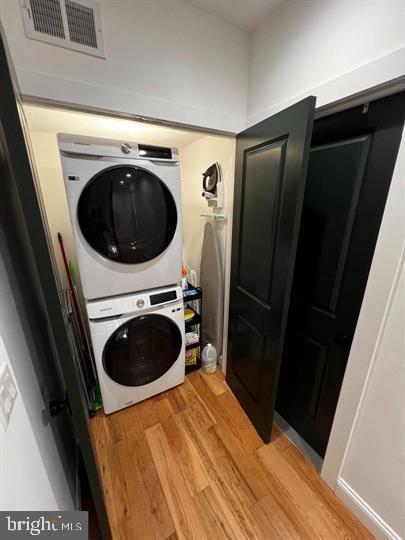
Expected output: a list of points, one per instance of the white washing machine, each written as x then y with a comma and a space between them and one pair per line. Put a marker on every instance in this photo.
138, 342
125, 207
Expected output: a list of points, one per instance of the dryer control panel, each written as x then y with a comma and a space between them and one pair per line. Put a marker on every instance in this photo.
163, 297
133, 303
95, 146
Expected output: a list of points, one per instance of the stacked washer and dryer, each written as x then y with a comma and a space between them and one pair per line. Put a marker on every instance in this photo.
125, 208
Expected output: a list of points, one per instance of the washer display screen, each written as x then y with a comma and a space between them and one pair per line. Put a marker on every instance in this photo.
127, 214
142, 350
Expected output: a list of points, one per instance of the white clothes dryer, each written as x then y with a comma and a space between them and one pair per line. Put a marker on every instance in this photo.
138, 343
125, 207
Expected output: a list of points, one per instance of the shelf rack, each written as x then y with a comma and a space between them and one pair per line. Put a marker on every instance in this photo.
190, 295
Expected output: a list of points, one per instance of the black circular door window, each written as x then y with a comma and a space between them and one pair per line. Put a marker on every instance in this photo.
127, 214
142, 350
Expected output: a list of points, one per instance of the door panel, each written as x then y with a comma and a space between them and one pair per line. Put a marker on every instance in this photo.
349, 172
308, 363
328, 216
247, 365
264, 167
271, 162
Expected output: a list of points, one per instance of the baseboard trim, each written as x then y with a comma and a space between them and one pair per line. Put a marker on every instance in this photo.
298, 441
373, 521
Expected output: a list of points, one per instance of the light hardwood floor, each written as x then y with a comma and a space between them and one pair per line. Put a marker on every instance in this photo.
188, 464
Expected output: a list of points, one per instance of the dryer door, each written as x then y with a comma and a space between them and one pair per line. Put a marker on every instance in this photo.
127, 214
142, 350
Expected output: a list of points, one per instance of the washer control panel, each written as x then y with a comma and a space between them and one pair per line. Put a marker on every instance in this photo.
132, 303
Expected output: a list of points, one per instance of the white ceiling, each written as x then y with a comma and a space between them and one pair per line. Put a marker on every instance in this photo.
244, 14
45, 120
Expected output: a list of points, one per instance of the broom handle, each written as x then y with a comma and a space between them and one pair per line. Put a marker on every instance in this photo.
71, 286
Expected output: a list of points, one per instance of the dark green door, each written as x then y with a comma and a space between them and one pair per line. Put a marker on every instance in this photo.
271, 161
350, 167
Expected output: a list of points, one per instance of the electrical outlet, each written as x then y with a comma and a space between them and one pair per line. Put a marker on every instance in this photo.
8, 395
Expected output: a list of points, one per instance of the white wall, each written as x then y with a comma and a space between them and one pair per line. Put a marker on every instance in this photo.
47, 161
331, 48
164, 59
366, 451
31, 473
171, 61
194, 160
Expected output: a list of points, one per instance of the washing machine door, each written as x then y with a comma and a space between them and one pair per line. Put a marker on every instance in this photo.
127, 214
142, 350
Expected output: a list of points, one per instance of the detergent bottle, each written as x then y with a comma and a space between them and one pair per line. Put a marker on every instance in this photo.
209, 359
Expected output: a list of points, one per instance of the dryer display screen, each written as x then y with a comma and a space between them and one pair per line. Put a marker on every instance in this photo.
162, 297
142, 350
127, 214
156, 152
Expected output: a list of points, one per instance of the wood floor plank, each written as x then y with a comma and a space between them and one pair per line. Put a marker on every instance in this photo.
239, 420
122, 426
215, 381
187, 464
101, 437
197, 404
181, 506
309, 504
157, 507
229, 487
186, 455
153, 411
273, 521
286, 515
278, 439
218, 462
227, 413
212, 513
343, 518
173, 536
127, 488
176, 400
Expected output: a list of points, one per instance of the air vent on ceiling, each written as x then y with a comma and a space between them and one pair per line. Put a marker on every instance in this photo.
72, 24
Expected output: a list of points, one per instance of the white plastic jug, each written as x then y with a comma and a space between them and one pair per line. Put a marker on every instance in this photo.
209, 359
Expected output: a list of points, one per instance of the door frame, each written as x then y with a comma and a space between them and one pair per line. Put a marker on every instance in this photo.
372, 93
376, 301
336, 449
386, 89
347, 101
18, 154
